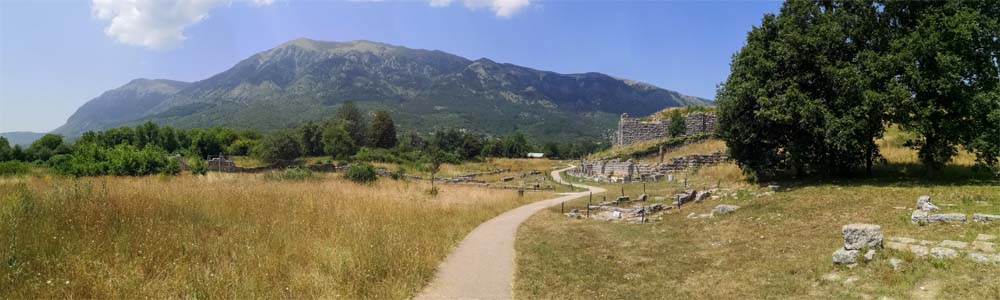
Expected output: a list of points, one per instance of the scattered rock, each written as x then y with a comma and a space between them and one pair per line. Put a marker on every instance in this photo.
773, 188
985, 237
659, 198
918, 217
918, 250
946, 218
939, 252
622, 199
574, 213
702, 195
953, 244
984, 218
897, 264
924, 203
844, 256
870, 255
691, 216
983, 246
981, 258
643, 197
857, 236
723, 209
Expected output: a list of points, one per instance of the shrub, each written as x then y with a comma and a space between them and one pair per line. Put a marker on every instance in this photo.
8, 168
376, 155
361, 173
400, 173
199, 167
173, 167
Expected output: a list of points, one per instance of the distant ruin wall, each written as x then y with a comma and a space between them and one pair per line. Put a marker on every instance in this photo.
628, 170
699, 122
633, 130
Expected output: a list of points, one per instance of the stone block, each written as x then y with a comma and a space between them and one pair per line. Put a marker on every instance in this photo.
918, 250
953, 244
943, 253
924, 203
946, 218
857, 236
844, 256
983, 246
981, 258
985, 237
984, 218
897, 246
918, 217
723, 209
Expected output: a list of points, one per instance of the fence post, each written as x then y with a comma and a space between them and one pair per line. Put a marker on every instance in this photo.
562, 207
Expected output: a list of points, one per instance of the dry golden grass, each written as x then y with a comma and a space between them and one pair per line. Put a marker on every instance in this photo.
231, 236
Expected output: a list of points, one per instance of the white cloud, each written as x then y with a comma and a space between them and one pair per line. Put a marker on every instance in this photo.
154, 24
502, 8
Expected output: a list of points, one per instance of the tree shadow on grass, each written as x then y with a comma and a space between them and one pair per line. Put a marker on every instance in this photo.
899, 175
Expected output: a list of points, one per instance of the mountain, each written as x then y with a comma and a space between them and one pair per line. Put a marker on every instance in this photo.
23, 138
303, 80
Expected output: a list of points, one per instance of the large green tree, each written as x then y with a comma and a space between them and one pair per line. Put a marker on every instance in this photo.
311, 136
354, 122
945, 54
799, 96
383, 131
280, 147
337, 142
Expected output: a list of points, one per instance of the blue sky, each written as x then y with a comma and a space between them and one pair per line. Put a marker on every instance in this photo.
56, 55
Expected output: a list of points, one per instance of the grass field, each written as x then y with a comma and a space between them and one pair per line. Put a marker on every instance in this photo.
777, 246
231, 236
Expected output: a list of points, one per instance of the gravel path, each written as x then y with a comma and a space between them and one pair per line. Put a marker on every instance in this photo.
482, 267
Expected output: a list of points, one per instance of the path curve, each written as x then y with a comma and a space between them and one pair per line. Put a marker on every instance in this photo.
482, 267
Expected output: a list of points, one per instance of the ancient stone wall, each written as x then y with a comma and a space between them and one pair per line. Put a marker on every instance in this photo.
628, 170
699, 122
633, 130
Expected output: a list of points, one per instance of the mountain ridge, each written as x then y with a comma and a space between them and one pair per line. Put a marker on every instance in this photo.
305, 80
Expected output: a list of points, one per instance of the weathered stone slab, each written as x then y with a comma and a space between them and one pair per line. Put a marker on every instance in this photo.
941, 252
924, 203
903, 239
918, 250
983, 246
985, 237
981, 258
918, 217
857, 236
984, 218
702, 195
723, 209
953, 244
844, 256
897, 246
946, 218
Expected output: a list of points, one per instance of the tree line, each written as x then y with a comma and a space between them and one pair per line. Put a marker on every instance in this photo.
347, 136
817, 84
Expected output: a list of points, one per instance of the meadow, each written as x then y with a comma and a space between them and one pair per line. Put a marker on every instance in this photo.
777, 246
231, 235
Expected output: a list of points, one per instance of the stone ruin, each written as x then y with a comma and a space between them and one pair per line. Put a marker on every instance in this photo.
699, 122
922, 215
858, 237
615, 170
633, 130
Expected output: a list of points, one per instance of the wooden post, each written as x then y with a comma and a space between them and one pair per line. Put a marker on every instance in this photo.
643, 187
562, 207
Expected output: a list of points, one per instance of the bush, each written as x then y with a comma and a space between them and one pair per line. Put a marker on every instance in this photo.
8, 168
173, 167
290, 174
199, 167
361, 173
376, 155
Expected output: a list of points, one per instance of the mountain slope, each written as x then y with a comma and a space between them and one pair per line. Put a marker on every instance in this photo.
118, 106
23, 138
304, 80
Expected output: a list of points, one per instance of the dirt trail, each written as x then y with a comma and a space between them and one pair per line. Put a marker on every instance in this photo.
482, 267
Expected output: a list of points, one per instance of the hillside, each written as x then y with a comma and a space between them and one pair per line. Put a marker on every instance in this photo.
305, 79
